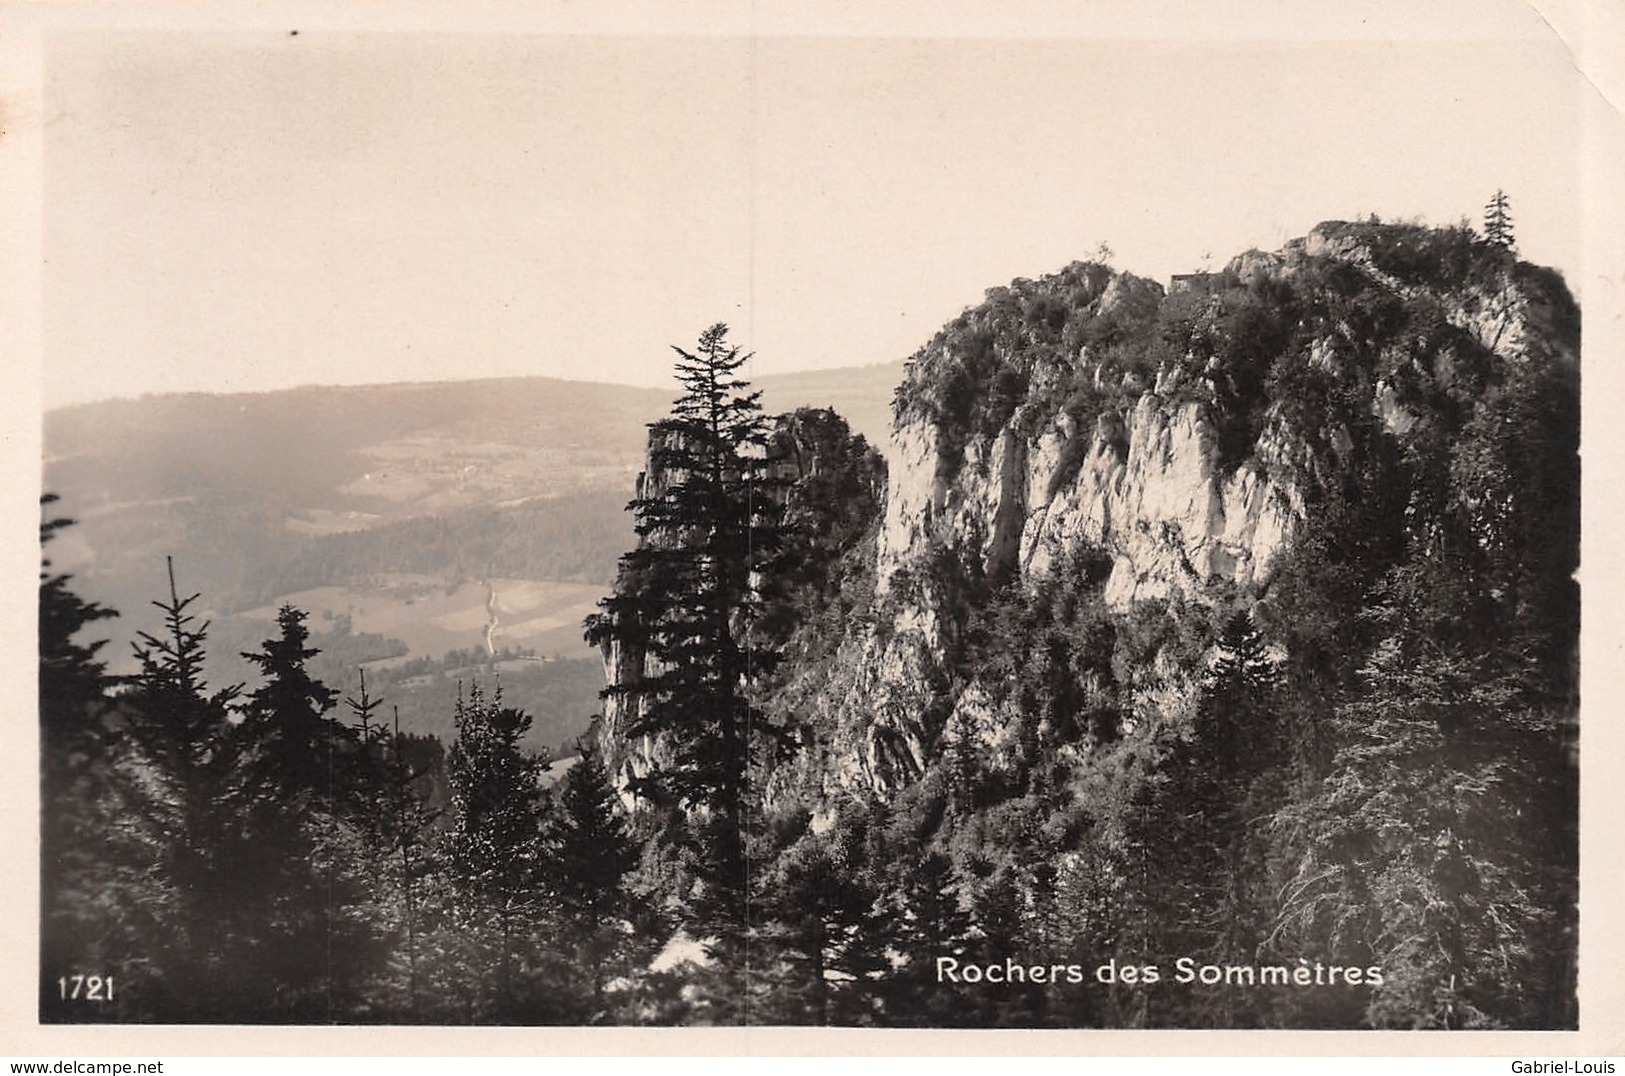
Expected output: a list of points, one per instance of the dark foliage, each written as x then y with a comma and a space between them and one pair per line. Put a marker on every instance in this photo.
685, 601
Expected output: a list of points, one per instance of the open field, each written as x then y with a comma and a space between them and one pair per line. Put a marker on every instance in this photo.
532, 614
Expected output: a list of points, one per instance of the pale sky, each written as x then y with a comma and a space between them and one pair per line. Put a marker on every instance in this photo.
230, 209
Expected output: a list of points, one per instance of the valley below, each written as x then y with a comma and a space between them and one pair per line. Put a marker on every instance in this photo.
459, 530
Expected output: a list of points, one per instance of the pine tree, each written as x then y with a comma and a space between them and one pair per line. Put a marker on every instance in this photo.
495, 916
303, 881
393, 820
496, 797
686, 600
816, 921
285, 719
188, 768
1235, 727
73, 679
1498, 221
1196, 837
1247, 750
591, 854
82, 894
1440, 846
591, 847
370, 774
931, 924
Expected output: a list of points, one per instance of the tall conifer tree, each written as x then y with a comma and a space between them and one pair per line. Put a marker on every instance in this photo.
300, 877
190, 758
1498, 220
686, 599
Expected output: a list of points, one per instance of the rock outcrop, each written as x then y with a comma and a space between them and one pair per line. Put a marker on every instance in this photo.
1144, 479
1146, 488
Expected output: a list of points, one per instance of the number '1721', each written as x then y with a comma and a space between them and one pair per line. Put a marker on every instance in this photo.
86, 987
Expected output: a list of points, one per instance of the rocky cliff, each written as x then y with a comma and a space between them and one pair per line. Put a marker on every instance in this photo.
1184, 436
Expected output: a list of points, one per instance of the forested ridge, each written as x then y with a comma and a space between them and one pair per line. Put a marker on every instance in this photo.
856, 768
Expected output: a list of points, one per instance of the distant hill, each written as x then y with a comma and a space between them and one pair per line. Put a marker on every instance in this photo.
343, 458
262, 472
260, 497
862, 395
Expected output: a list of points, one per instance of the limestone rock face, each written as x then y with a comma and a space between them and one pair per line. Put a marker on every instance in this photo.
1163, 510
1144, 483
1148, 490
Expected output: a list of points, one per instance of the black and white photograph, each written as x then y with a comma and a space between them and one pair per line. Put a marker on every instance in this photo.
1049, 520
